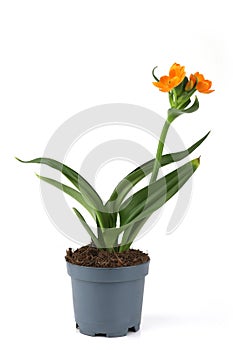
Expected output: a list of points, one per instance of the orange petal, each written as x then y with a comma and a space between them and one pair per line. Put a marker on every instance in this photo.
176, 70
164, 79
190, 84
163, 84
204, 86
207, 92
174, 81
200, 77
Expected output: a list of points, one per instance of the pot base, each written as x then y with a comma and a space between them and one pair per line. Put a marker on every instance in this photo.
120, 333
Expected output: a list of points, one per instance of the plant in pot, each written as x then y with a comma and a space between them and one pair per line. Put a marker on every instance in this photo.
107, 275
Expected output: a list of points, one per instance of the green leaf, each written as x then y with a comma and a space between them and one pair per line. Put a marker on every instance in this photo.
193, 108
177, 156
111, 235
70, 191
153, 73
88, 192
77, 180
150, 198
88, 229
180, 88
130, 233
125, 185
173, 113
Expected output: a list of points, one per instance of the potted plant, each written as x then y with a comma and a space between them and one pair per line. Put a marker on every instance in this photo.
107, 275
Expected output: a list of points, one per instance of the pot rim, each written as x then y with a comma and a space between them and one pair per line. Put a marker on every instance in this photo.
109, 268
108, 275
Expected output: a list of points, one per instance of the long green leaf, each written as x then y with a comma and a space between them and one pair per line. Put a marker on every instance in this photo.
88, 192
130, 233
150, 198
88, 229
125, 185
77, 180
111, 236
71, 192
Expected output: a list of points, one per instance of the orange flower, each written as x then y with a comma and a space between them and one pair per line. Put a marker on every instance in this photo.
203, 85
176, 76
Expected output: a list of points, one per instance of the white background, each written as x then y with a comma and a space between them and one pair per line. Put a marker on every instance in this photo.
60, 57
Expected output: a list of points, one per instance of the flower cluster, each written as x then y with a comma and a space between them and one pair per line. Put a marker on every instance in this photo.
179, 87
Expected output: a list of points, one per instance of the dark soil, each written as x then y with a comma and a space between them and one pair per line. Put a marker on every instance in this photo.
93, 257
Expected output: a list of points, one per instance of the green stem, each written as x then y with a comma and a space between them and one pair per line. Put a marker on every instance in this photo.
175, 98
170, 95
183, 100
159, 152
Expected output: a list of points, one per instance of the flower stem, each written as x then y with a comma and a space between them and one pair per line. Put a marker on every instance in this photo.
175, 98
185, 99
159, 152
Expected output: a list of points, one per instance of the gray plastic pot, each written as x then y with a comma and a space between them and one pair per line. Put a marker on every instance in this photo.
107, 301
